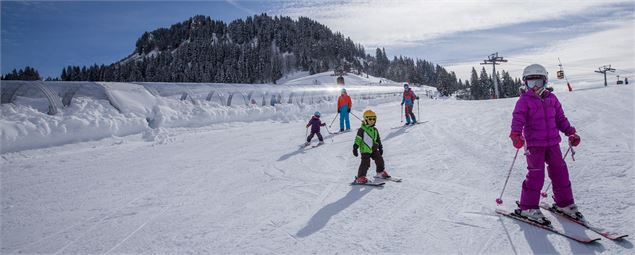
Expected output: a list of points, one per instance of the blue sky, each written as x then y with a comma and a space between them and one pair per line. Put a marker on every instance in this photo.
457, 34
52, 35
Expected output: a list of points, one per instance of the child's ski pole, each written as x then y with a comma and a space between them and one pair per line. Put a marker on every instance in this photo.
401, 113
329, 131
418, 107
499, 200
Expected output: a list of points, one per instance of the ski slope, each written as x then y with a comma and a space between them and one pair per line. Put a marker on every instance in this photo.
245, 187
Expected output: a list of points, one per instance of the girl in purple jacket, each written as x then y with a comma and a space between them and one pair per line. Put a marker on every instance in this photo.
315, 123
537, 120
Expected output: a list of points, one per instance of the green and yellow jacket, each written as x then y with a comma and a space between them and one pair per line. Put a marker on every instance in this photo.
367, 139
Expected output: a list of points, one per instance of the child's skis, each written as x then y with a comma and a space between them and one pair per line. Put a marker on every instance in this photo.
605, 233
546, 227
373, 184
392, 178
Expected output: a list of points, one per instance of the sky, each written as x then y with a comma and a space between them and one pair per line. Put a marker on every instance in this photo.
585, 35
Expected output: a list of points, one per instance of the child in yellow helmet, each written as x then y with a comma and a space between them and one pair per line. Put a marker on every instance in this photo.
369, 144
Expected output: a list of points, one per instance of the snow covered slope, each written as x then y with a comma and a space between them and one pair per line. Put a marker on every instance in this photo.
247, 188
327, 78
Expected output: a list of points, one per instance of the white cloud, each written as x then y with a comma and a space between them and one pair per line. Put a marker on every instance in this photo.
580, 56
240, 7
401, 23
592, 33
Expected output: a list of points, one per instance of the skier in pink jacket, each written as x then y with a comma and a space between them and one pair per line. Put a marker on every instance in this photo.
537, 120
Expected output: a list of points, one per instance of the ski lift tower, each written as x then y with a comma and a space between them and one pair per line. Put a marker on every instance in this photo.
603, 70
492, 59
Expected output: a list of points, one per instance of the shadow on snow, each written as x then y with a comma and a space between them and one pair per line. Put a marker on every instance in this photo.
319, 220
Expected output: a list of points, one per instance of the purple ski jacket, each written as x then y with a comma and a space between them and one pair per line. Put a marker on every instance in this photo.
315, 124
540, 119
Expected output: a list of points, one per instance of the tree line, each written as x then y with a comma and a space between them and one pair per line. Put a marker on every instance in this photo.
26, 74
262, 49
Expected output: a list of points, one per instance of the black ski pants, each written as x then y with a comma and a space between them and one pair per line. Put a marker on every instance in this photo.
308, 139
379, 162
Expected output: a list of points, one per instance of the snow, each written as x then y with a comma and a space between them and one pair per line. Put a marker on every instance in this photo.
330, 78
104, 109
244, 187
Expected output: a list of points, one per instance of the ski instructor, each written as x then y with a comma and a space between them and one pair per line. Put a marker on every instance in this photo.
344, 106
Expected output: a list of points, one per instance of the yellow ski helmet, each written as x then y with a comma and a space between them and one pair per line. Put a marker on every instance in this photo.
369, 114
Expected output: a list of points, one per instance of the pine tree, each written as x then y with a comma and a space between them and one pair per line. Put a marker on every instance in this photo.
475, 86
486, 86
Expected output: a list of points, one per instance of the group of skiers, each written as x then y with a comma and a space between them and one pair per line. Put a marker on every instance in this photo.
367, 140
538, 118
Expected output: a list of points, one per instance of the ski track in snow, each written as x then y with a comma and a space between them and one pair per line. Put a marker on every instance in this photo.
246, 188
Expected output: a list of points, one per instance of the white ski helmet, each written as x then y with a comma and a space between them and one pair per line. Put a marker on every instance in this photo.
535, 69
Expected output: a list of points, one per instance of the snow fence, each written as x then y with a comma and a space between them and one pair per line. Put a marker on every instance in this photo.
38, 114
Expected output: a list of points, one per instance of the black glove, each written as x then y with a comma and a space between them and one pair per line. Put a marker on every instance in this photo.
355, 153
349, 110
381, 151
417, 97
338, 110
401, 103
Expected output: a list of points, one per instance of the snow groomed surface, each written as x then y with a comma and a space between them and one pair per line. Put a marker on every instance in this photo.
245, 187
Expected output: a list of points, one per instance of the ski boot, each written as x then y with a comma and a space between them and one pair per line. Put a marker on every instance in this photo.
321, 142
307, 144
534, 215
383, 175
361, 180
571, 211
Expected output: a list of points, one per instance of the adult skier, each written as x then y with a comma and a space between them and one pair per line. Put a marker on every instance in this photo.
408, 99
315, 124
369, 144
538, 118
344, 106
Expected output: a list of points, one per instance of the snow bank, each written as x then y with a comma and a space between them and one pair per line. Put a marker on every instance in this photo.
25, 127
133, 110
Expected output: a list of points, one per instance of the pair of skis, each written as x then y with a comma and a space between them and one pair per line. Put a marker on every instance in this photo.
416, 123
410, 125
304, 146
377, 184
607, 234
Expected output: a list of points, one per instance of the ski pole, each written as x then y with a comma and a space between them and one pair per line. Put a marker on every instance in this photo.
327, 130
418, 107
499, 200
306, 133
334, 119
544, 193
401, 113
357, 117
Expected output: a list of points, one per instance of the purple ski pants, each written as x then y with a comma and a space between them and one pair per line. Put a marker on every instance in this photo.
558, 173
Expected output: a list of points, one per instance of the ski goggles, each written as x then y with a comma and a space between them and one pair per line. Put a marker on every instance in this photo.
535, 83
371, 118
